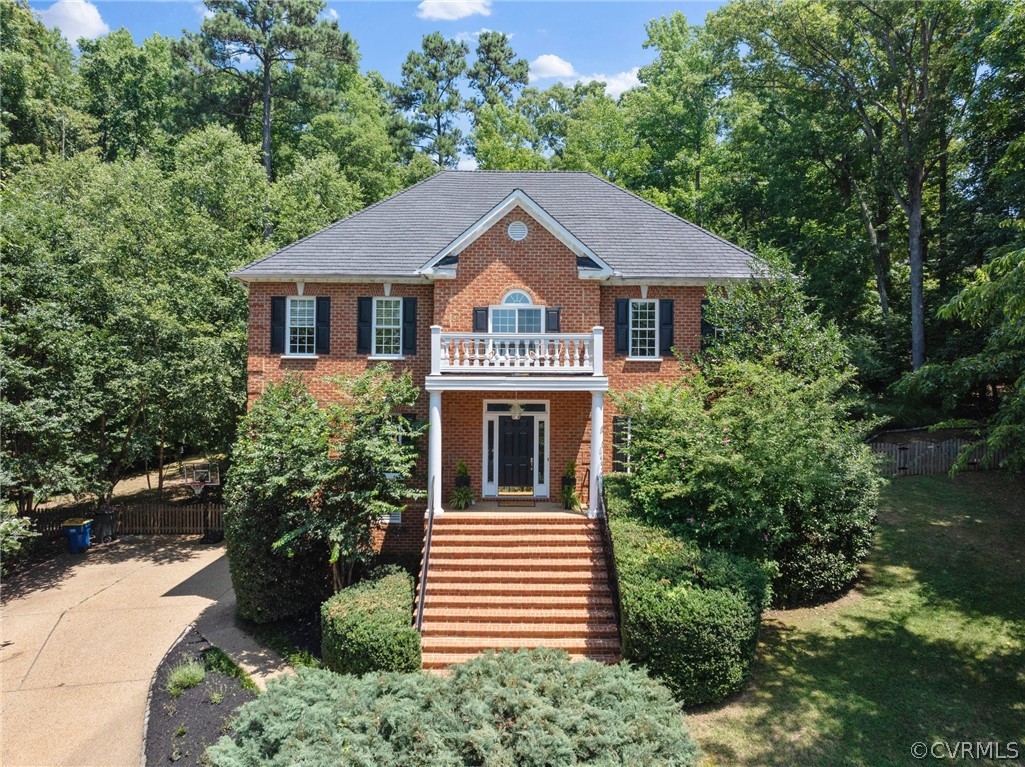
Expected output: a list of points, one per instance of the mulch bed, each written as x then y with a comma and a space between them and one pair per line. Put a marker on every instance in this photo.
180, 729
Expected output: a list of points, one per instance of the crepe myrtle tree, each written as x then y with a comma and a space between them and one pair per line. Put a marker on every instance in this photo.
370, 452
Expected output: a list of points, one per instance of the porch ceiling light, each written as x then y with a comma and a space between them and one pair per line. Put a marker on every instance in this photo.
516, 411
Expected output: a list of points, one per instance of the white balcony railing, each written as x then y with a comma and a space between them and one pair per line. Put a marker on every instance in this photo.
510, 353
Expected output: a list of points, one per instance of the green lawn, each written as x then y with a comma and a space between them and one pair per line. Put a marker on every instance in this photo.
929, 647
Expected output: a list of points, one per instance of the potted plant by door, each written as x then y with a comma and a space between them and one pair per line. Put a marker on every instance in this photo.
569, 487
462, 495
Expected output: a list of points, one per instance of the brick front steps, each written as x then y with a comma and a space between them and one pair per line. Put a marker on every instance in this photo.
513, 580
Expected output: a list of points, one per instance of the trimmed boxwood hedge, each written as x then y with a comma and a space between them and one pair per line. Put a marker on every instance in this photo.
369, 626
690, 616
528, 708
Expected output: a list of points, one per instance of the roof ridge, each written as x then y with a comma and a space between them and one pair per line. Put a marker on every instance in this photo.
670, 213
342, 220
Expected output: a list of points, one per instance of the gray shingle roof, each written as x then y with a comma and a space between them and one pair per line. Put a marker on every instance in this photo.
398, 235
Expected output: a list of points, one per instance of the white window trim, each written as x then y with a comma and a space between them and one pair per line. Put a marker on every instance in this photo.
289, 354
630, 332
516, 307
373, 329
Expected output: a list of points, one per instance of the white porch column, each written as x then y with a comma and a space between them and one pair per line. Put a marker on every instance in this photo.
597, 448
434, 454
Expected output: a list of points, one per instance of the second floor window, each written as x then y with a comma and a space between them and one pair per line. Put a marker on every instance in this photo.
643, 328
302, 326
517, 314
387, 327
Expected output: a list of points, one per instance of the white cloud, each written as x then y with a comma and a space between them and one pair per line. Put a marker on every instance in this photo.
467, 163
451, 10
472, 37
331, 14
617, 84
75, 19
548, 65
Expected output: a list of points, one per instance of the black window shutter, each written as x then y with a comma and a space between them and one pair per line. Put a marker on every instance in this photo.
553, 320
620, 435
322, 339
665, 327
277, 325
409, 326
480, 319
622, 326
707, 329
364, 313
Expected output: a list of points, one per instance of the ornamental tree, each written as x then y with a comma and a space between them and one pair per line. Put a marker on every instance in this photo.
360, 475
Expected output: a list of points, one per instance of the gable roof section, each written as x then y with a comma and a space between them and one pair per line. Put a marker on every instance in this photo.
520, 199
402, 235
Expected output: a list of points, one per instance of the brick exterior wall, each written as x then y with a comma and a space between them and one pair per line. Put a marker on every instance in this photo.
488, 268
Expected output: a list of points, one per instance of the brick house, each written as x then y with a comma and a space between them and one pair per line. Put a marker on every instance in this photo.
517, 299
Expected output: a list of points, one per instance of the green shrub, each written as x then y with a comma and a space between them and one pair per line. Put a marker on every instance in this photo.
280, 439
690, 616
15, 532
369, 626
185, 676
762, 463
526, 708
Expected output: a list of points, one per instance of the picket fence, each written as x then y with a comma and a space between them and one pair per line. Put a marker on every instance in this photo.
917, 457
154, 518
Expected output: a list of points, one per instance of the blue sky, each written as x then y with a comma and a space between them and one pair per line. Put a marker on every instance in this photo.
563, 40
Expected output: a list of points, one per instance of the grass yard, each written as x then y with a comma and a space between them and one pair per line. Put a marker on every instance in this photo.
930, 647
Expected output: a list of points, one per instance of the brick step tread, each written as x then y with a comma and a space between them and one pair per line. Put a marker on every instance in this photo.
479, 644
516, 547
515, 551
515, 543
506, 532
511, 575
441, 660
504, 524
526, 614
513, 601
502, 589
498, 519
485, 631
484, 565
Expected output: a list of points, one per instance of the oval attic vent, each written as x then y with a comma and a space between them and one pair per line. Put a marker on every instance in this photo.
517, 230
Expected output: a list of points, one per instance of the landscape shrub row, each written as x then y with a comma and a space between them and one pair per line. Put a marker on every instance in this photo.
690, 616
526, 708
762, 463
369, 626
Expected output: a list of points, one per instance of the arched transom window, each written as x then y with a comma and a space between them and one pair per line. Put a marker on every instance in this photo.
517, 314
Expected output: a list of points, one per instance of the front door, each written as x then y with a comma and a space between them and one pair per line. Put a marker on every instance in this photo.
516, 455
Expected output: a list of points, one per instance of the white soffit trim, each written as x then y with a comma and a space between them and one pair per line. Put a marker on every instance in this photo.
518, 198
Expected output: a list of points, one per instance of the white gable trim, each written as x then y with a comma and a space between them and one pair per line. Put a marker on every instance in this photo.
518, 198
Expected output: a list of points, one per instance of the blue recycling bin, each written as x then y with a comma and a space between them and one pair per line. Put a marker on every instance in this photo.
77, 531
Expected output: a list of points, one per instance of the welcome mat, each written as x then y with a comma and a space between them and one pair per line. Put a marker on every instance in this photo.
516, 502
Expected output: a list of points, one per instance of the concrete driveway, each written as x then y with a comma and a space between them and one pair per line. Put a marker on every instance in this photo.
80, 638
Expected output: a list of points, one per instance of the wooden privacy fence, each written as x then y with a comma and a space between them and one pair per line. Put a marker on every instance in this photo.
163, 518
154, 518
924, 457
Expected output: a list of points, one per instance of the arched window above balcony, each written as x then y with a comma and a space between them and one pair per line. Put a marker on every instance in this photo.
517, 314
